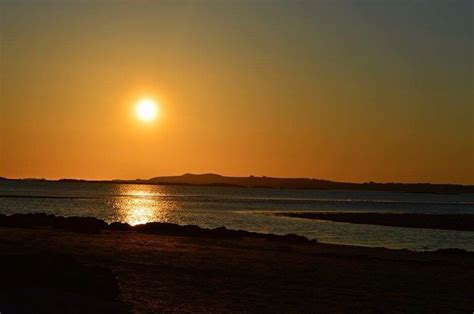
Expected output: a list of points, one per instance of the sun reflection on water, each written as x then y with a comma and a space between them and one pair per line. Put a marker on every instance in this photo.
140, 204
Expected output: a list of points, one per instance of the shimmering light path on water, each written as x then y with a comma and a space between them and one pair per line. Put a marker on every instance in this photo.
248, 209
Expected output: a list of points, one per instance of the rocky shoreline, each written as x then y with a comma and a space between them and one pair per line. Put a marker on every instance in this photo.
94, 225
84, 265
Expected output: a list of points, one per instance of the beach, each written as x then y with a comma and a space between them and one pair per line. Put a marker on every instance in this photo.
184, 273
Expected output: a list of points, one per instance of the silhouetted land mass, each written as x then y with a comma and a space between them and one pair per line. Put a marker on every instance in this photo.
165, 268
306, 183
461, 222
289, 183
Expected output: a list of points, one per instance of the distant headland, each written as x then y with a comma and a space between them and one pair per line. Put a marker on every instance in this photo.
211, 179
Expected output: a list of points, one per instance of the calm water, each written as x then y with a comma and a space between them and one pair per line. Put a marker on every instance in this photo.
249, 209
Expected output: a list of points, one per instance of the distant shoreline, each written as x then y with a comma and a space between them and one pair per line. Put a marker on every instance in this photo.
214, 180
456, 222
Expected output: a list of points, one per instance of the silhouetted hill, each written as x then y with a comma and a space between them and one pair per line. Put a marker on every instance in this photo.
211, 179
306, 183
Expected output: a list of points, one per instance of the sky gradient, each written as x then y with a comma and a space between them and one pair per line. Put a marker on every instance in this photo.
341, 90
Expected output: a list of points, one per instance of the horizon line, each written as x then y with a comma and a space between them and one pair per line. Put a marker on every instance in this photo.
228, 176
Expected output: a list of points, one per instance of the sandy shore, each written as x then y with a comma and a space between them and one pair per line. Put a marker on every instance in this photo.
461, 222
158, 273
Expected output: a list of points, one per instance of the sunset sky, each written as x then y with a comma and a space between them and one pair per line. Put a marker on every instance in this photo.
341, 90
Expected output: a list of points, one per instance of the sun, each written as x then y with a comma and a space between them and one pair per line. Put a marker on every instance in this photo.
146, 109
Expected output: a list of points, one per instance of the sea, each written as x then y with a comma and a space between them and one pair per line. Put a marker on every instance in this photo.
251, 209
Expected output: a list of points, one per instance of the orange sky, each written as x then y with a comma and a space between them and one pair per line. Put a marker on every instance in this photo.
344, 92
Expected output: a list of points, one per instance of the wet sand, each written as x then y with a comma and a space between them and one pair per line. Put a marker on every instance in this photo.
157, 273
460, 222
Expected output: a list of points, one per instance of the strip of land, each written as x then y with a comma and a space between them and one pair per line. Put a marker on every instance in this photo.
179, 270
460, 222
211, 179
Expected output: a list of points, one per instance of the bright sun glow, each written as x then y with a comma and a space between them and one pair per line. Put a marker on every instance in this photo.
146, 109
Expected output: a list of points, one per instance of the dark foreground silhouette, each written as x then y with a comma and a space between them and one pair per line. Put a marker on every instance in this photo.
95, 268
460, 222
94, 225
52, 282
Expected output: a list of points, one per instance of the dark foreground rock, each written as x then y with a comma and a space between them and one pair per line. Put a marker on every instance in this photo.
216, 233
37, 220
93, 225
51, 282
